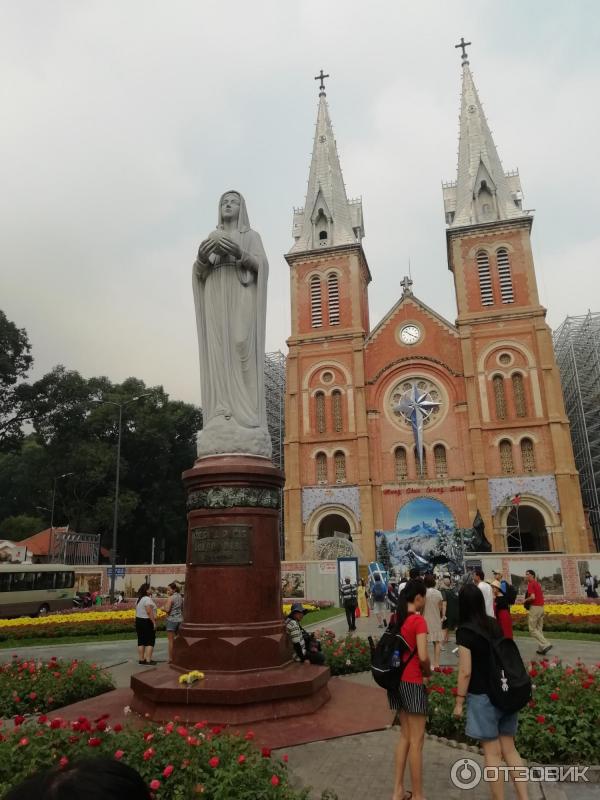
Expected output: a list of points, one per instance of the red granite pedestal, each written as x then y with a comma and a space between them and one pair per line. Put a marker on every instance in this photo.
233, 629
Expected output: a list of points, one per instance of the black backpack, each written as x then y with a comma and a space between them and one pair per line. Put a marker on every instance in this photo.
509, 684
384, 673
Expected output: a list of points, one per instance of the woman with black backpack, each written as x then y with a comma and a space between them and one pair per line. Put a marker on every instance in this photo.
477, 637
411, 692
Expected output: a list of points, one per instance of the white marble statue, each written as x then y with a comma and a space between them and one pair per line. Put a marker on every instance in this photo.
230, 295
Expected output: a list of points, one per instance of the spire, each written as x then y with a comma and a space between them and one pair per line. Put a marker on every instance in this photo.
482, 192
328, 218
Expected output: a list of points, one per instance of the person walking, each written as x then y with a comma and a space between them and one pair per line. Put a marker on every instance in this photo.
411, 690
145, 624
349, 595
363, 600
590, 585
486, 591
174, 611
534, 603
433, 617
496, 729
378, 593
502, 609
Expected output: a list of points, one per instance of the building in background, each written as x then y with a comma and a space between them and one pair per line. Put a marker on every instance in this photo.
577, 349
275, 407
418, 426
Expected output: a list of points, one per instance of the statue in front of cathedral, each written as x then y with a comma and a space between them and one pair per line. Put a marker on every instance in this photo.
230, 295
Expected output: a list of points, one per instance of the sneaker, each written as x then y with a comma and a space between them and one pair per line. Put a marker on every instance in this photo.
540, 652
545, 650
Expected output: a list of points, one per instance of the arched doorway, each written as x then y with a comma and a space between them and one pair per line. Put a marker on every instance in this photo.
526, 524
333, 524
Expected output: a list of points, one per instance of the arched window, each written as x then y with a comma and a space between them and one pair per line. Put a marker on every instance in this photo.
322, 235
421, 471
485, 279
333, 299
505, 276
321, 462
519, 395
506, 457
320, 411
336, 408
527, 455
400, 464
339, 460
316, 315
499, 396
439, 457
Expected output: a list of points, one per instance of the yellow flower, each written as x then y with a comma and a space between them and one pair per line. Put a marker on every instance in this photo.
191, 677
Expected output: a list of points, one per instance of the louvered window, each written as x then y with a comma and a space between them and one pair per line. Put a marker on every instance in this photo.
499, 397
340, 467
441, 465
485, 279
504, 276
401, 465
421, 471
320, 411
321, 460
316, 315
527, 455
336, 407
333, 299
519, 395
506, 457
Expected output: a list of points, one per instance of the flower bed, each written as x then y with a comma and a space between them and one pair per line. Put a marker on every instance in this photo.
344, 655
559, 726
34, 687
176, 761
574, 617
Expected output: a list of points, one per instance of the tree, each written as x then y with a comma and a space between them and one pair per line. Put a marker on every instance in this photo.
15, 361
383, 552
20, 527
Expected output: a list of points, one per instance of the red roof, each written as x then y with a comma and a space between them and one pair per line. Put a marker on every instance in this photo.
39, 543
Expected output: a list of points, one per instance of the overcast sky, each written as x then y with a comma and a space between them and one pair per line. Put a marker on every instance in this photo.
122, 123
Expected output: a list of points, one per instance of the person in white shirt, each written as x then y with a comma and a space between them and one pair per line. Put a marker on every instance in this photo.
486, 591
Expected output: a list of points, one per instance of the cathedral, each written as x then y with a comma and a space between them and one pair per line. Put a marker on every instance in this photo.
419, 422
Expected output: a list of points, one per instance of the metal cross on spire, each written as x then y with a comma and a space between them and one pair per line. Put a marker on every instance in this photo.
321, 77
406, 283
462, 44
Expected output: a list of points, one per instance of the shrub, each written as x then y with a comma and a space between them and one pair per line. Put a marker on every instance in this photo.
35, 687
346, 654
177, 761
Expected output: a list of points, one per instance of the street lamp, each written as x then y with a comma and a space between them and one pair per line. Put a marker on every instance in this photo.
113, 552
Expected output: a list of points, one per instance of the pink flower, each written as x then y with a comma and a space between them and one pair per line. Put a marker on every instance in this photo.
200, 725
182, 731
154, 785
249, 735
119, 754
63, 762
168, 771
214, 762
275, 780
23, 742
32, 695
284, 757
241, 759
147, 755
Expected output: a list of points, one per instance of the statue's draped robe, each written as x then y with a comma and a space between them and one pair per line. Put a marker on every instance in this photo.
230, 302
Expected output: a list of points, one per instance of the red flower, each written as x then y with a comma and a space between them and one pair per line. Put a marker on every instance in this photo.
241, 759
23, 742
19, 720
533, 673
148, 737
101, 726
284, 757
168, 771
32, 695
249, 735
42, 719
93, 741
216, 730
154, 785
554, 696
200, 725
551, 729
63, 762
265, 752
454, 690
540, 718
182, 731
119, 754
531, 704
148, 753
118, 727
193, 741
275, 780
214, 762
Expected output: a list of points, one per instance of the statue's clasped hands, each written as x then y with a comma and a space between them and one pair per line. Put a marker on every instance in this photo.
221, 246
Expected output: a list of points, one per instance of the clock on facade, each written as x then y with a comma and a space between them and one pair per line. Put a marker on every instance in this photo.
410, 334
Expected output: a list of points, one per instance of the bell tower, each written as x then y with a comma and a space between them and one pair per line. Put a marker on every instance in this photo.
326, 432
518, 427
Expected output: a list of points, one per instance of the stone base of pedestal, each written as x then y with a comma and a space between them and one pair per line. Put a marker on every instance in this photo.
231, 698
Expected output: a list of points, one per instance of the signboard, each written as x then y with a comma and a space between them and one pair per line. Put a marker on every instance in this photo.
347, 568
120, 572
327, 567
228, 545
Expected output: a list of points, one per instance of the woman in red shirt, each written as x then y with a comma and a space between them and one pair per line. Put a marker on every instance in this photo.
502, 610
411, 690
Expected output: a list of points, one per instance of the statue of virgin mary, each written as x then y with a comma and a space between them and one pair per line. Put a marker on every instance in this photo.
230, 294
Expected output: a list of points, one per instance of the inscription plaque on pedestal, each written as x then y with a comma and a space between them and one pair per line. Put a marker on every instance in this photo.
212, 545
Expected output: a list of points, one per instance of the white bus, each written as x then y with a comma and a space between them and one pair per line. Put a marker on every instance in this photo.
35, 589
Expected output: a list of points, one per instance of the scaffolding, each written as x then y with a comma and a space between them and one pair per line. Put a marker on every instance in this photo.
577, 349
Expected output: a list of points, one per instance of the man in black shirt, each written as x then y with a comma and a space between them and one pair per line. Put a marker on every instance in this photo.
349, 595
